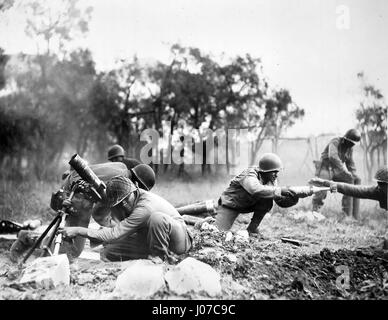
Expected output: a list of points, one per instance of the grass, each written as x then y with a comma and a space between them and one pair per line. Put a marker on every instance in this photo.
20, 201
31, 199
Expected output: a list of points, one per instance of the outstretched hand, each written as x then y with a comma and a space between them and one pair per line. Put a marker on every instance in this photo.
319, 182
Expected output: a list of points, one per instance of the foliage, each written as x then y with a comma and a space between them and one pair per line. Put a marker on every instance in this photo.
64, 103
56, 22
6, 4
372, 121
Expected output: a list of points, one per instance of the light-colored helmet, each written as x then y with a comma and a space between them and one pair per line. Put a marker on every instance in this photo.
270, 162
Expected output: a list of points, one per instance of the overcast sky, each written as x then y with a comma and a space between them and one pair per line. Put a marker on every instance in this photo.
310, 47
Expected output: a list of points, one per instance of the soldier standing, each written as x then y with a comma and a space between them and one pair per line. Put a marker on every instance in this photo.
337, 164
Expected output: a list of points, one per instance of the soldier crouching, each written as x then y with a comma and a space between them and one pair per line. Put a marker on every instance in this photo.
254, 190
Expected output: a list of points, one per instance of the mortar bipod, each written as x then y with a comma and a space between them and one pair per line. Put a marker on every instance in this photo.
57, 222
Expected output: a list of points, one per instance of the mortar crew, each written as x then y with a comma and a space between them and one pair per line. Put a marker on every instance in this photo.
377, 192
116, 153
254, 190
337, 164
85, 205
142, 224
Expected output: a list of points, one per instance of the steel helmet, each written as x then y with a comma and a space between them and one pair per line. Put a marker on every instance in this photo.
382, 175
145, 175
117, 189
352, 135
115, 151
270, 162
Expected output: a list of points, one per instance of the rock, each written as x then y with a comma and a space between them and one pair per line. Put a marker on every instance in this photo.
90, 255
235, 286
48, 271
231, 258
192, 275
242, 236
318, 216
140, 280
208, 226
229, 236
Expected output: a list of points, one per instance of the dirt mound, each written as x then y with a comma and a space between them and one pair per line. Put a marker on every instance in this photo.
351, 274
263, 267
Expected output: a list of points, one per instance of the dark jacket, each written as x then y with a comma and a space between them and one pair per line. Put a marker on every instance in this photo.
335, 155
247, 189
364, 192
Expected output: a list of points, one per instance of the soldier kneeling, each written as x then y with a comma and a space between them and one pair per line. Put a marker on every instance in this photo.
140, 224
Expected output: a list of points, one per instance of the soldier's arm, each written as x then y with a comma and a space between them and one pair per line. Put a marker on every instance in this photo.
350, 163
334, 156
252, 185
364, 192
125, 227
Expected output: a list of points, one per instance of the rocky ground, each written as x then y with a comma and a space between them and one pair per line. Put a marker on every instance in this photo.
328, 260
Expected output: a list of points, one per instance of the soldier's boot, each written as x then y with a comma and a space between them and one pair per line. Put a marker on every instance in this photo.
253, 227
22, 244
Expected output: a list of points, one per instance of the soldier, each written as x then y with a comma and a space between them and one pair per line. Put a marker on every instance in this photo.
378, 192
337, 164
142, 176
254, 189
142, 224
116, 154
84, 204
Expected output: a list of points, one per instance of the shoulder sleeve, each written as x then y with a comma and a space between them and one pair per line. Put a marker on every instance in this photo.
128, 226
350, 162
250, 182
333, 154
364, 192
